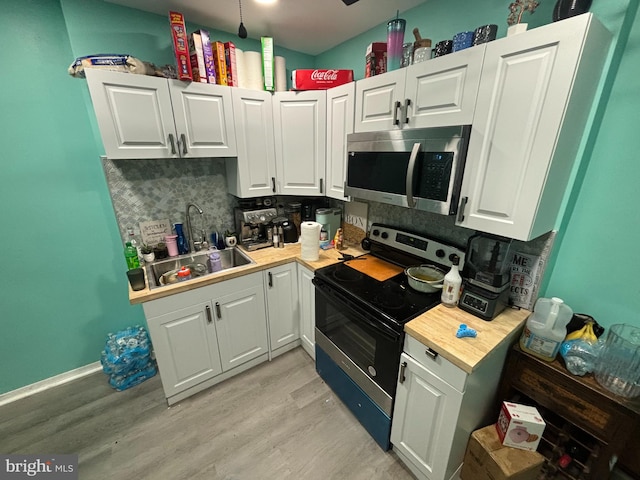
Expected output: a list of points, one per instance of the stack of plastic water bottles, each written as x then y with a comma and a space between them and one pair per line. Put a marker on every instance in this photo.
126, 358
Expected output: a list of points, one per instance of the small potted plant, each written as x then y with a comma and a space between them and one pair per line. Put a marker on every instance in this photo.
516, 10
147, 253
230, 239
160, 251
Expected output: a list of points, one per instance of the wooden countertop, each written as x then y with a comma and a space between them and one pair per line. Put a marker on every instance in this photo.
265, 258
437, 330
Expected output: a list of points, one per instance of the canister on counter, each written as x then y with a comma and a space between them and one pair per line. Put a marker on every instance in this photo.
293, 211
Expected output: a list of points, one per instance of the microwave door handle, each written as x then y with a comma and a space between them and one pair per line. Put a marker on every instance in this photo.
410, 169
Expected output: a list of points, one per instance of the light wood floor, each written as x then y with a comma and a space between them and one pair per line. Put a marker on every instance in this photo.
276, 421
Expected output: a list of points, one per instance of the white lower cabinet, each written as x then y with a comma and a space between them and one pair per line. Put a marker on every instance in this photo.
307, 295
281, 286
206, 335
437, 407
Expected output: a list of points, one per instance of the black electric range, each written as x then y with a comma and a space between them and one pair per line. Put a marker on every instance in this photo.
360, 320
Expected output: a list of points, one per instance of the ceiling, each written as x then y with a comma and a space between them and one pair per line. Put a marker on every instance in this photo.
308, 26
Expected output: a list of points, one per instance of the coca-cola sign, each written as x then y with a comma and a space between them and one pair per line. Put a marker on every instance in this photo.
324, 75
320, 79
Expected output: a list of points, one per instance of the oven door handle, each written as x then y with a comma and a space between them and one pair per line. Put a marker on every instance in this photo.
410, 170
361, 315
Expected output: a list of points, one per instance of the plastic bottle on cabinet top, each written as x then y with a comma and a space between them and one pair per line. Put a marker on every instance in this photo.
546, 328
131, 256
451, 285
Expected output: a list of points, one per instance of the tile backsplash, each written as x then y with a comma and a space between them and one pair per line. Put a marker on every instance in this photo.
143, 190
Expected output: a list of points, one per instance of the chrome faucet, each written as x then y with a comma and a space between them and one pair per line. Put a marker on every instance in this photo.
192, 244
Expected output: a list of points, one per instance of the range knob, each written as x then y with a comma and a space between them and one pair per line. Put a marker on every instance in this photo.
440, 253
263, 218
385, 235
453, 256
376, 232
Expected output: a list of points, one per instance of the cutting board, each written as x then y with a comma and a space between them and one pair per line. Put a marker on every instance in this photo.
374, 267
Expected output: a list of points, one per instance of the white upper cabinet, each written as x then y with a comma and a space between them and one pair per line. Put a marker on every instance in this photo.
439, 92
340, 112
148, 117
300, 141
534, 99
204, 119
253, 172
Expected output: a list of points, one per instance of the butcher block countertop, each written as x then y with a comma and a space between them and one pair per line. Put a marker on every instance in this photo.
437, 330
265, 258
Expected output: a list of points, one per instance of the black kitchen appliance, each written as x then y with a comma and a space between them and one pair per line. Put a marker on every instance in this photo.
488, 271
360, 321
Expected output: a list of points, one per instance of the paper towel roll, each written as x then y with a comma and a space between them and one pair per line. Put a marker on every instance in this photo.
240, 69
281, 74
310, 241
253, 70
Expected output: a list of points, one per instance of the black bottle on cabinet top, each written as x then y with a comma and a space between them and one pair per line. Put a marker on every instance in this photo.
570, 8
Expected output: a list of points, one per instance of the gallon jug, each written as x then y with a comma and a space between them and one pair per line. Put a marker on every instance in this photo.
546, 328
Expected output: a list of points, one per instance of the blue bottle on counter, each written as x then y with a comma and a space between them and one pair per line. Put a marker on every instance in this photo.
183, 245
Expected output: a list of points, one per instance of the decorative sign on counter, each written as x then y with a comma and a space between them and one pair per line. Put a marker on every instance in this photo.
154, 231
355, 222
525, 276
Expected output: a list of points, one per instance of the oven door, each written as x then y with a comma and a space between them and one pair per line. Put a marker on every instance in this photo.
364, 347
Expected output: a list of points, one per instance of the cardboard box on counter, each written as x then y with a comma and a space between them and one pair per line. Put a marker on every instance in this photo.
180, 45
375, 59
319, 79
487, 459
520, 426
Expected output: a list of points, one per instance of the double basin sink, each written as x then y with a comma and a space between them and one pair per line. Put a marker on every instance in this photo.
164, 272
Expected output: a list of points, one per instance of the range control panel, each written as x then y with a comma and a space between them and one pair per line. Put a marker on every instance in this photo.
429, 249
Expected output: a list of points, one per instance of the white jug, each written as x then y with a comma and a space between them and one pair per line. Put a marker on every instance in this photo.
310, 240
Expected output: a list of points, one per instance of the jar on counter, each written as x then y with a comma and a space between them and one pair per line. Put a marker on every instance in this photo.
293, 211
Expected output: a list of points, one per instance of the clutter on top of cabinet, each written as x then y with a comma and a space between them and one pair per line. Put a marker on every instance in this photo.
319, 79
180, 45
375, 59
395, 39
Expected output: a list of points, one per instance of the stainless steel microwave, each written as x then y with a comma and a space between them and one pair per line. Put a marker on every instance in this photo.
419, 168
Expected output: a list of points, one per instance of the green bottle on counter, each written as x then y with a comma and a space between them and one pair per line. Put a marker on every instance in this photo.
131, 256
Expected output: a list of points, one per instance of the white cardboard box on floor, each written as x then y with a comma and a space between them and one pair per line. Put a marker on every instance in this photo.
520, 426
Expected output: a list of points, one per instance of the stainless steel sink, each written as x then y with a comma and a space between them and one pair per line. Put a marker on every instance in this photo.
164, 272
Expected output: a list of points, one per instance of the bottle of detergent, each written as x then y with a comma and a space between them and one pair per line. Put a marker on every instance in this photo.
546, 328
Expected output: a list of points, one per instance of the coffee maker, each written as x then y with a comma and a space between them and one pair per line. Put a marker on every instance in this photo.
488, 272
252, 226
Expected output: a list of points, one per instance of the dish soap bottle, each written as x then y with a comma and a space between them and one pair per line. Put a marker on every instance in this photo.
183, 245
451, 285
131, 256
546, 328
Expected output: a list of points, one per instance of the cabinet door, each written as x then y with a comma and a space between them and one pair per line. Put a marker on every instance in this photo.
443, 91
300, 136
282, 305
340, 112
424, 418
134, 114
533, 102
241, 325
186, 347
204, 119
307, 294
253, 172
379, 102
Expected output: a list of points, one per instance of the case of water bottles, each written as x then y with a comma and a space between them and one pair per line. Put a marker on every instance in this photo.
126, 358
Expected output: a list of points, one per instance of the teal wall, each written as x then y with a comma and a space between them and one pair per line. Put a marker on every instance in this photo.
595, 260
64, 285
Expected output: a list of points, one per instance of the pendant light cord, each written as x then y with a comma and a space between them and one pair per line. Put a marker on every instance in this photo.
240, 5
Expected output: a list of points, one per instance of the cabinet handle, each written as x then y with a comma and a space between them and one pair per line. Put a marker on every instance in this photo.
218, 312
344, 189
273, 184
407, 104
395, 113
432, 353
410, 168
403, 367
184, 143
463, 204
321, 185
270, 280
208, 310
173, 145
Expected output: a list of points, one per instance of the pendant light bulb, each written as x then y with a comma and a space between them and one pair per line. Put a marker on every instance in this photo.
242, 32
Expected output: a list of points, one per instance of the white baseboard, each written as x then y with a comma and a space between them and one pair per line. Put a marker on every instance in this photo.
50, 382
